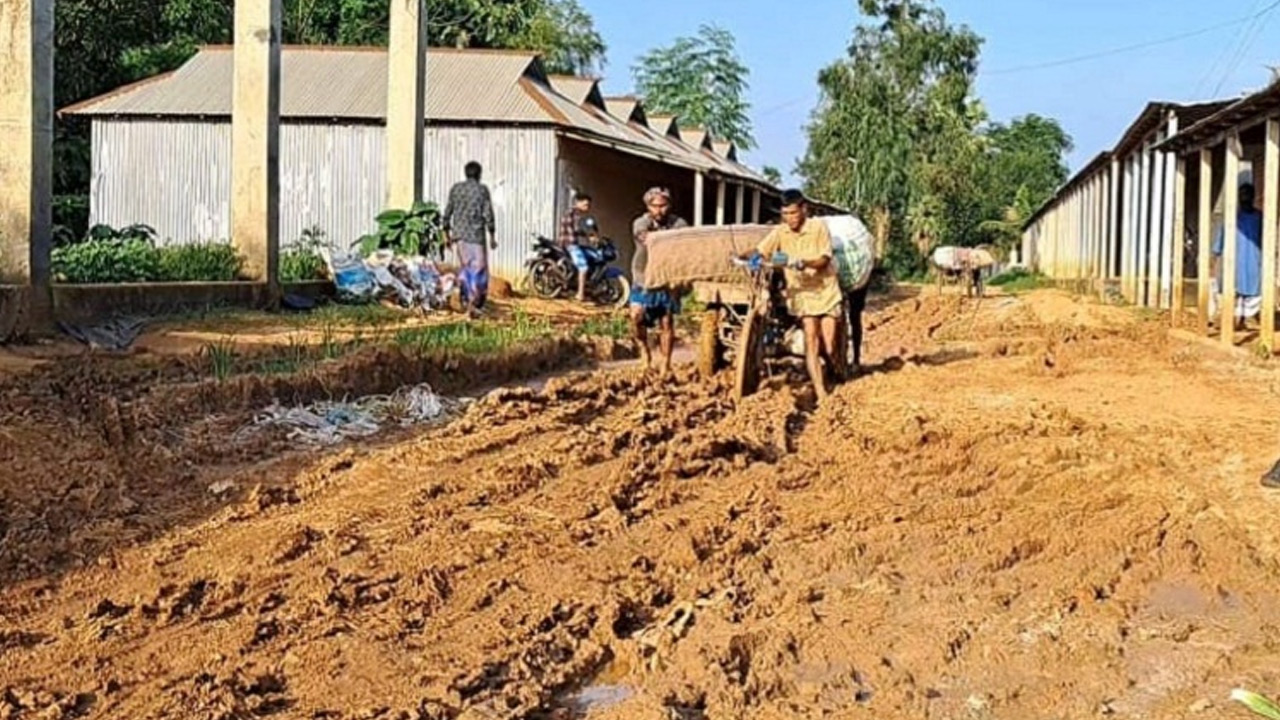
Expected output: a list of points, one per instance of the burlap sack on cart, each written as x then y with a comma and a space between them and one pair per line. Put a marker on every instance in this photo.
679, 258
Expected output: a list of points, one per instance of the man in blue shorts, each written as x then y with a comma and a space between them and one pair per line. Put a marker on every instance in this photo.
653, 307
577, 241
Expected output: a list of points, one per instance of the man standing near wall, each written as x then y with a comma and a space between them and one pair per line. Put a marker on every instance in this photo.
1248, 299
653, 307
468, 223
575, 239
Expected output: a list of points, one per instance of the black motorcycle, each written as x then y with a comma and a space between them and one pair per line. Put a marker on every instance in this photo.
551, 273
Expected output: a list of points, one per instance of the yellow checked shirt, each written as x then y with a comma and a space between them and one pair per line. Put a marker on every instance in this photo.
812, 293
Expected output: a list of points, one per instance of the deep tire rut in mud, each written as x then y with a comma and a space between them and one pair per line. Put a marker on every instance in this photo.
973, 529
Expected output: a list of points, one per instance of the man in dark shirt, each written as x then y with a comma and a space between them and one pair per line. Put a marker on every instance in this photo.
650, 307
468, 223
575, 239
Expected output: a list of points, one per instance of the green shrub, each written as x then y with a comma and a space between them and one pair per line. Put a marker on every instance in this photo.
302, 261
1017, 280
416, 231
107, 261
201, 262
130, 255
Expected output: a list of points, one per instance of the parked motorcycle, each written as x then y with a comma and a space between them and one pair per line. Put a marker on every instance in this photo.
551, 273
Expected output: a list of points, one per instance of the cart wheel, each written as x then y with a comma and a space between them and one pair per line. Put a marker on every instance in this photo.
747, 365
710, 352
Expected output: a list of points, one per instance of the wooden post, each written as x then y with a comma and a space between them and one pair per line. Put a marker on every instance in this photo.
1270, 195
1230, 210
1159, 223
1179, 220
720, 193
1172, 242
1204, 240
755, 206
1113, 220
1127, 232
698, 199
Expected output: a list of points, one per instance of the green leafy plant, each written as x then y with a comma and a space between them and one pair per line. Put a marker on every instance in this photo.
1018, 280
1258, 704
302, 260
199, 262
616, 327
416, 231
107, 257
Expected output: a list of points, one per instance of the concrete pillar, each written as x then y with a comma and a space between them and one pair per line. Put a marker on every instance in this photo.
720, 200
1204, 241
1126, 233
26, 158
699, 188
406, 98
1230, 206
755, 206
255, 139
741, 198
1270, 206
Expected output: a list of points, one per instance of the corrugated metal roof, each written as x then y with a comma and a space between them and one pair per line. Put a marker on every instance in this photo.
694, 136
465, 86
1208, 125
331, 82
665, 124
577, 89
623, 108
724, 149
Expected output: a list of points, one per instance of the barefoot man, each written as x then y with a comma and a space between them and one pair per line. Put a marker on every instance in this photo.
813, 288
653, 307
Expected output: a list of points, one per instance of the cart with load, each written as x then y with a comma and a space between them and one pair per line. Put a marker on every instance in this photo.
748, 325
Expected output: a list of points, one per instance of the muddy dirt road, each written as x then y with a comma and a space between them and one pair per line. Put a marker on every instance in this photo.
1031, 508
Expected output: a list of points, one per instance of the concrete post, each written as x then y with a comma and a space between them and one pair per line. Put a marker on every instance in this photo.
255, 140
1159, 224
26, 158
1113, 220
1174, 234
1144, 235
755, 206
741, 198
699, 191
406, 102
720, 200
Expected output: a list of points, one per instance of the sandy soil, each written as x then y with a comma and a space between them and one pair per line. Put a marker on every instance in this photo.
1029, 508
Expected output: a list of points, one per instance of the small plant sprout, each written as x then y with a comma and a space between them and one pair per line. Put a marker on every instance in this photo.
1258, 704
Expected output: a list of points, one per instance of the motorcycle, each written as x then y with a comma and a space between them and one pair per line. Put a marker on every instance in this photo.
551, 273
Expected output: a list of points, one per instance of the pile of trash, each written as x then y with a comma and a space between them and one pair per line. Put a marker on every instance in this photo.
329, 423
409, 281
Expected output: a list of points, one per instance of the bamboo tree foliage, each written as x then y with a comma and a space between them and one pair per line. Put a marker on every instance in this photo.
700, 79
900, 135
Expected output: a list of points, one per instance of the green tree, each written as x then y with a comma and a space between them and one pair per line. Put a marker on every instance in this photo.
894, 131
1023, 165
700, 79
772, 174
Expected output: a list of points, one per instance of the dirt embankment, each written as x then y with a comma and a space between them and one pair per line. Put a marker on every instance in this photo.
1026, 509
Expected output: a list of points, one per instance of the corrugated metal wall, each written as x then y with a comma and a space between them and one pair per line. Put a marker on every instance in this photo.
520, 170
176, 177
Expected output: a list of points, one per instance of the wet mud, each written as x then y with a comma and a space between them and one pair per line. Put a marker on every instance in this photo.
1026, 507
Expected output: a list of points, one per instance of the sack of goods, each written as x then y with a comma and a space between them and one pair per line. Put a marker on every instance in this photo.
679, 258
958, 258
854, 251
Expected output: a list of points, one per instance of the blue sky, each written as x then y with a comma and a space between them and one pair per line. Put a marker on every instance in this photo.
786, 43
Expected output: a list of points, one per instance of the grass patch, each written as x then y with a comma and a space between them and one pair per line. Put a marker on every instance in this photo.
616, 327
221, 356
1018, 280
474, 338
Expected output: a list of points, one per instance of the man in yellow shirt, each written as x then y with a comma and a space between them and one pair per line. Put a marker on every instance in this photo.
813, 288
